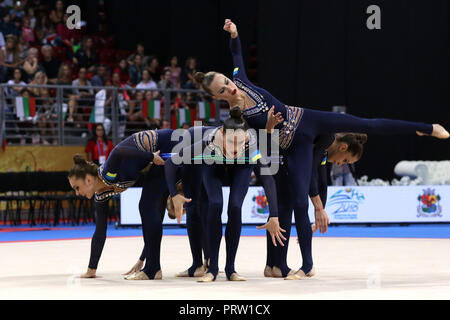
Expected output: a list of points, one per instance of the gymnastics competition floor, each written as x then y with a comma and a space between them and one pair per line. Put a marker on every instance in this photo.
352, 262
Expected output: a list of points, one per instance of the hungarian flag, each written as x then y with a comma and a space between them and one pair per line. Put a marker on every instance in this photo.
98, 111
206, 110
184, 116
25, 107
151, 109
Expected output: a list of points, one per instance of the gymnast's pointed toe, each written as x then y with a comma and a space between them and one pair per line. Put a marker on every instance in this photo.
300, 274
237, 277
137, 276
208, 277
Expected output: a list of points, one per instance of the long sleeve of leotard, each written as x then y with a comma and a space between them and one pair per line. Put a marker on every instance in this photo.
99, 237
270, 190
170, 168
238, 61
321, 144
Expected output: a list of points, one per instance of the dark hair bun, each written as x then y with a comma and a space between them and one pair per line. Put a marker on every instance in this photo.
361, 137
199, 77
236, 113
79, 159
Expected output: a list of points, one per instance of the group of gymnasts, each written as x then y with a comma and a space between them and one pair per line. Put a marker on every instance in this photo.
189, 181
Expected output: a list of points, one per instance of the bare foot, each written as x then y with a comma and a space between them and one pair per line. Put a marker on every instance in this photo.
438, 132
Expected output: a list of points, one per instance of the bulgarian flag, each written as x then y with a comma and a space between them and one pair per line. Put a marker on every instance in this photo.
151, 109
184, 115
206, 110
98, 111
25, 107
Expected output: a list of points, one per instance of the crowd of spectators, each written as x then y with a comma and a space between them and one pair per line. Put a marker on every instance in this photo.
36, 47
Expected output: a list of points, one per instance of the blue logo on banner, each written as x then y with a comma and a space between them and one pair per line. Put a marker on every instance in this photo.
345, 203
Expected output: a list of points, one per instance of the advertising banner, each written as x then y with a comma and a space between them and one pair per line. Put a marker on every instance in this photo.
393, 204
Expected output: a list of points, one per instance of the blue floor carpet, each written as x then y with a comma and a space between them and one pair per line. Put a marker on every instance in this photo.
42, 232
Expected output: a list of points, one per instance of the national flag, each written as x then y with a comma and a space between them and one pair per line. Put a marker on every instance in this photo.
98, 111
25, 107
184, 116
151, 109
206, 110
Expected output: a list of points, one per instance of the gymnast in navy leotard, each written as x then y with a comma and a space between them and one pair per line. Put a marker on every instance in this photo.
119, 172
230, 159
297, 132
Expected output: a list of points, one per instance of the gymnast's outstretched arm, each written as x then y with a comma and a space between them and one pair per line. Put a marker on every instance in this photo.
236, 51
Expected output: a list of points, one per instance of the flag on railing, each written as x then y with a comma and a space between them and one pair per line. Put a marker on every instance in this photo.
151, 109
98, 111
206, 110
25, 107
184, 116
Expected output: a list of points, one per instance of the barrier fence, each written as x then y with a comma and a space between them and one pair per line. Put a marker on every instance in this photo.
64, 114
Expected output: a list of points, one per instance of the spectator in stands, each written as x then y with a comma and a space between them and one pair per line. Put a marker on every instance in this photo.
23, 48
187, 76
165, 82
84, 97
47, 117
135, 109
9, 56
153, 67
31, 64
135, 69
68, 36
17, 10
65, 78
140, 49
175, 71
40, 78
85, 57
100, 77
27, 31
14, 91
31, 17
99, 146
50, 64
186, 125
57, 13
7, 27
17, 27
43, 25
147, 81
122, 70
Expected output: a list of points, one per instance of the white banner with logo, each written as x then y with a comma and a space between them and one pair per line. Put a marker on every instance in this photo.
344, 205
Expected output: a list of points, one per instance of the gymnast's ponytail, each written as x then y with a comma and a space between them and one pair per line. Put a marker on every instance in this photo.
355, 142
235, 120
204, 80
81, 168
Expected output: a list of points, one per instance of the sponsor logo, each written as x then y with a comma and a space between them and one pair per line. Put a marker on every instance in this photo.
260, 207
429, 205
344, 204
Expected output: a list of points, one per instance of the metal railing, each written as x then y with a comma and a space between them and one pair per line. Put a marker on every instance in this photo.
62, 114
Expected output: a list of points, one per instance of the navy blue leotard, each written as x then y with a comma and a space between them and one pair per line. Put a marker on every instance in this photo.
120, 171
297, 134
213, 176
